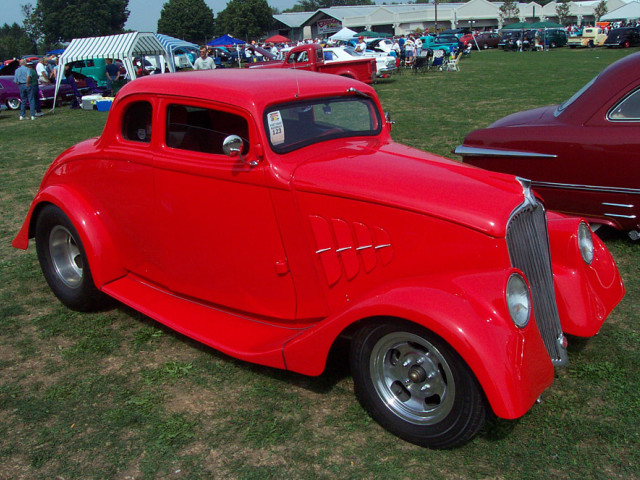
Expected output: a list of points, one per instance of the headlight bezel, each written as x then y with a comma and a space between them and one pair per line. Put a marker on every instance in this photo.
585, 242
518, 300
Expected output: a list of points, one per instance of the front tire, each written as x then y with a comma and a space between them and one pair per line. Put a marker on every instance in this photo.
415, 385
64, 262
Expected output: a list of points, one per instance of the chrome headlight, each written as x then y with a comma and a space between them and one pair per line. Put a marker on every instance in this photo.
518, 300
585, 243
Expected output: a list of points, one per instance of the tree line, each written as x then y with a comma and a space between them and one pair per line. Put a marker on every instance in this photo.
51, 24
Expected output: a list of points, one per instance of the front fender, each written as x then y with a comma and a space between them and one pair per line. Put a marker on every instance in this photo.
469, 312
101, 251
585, 294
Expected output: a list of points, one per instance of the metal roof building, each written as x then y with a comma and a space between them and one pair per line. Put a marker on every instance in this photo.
404, 19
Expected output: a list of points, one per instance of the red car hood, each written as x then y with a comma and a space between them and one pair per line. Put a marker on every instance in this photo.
537, 116
403, 177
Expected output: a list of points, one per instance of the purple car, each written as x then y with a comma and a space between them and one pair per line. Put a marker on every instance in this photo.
10, 93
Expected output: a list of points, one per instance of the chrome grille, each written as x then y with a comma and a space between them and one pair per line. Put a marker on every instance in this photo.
528, 243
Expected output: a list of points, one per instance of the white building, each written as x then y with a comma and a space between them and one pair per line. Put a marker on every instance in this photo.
404, 19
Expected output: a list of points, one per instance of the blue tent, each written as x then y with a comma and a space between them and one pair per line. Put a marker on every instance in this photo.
225, 40
59, 51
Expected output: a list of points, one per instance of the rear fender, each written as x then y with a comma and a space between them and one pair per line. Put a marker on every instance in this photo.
470, 314
102, 255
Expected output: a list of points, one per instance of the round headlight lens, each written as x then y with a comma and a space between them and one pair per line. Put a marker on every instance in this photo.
518, 300
585, 243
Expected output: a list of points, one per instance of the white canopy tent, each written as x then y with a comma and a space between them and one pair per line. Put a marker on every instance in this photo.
630, 11
173, 45
123, 47
344, 34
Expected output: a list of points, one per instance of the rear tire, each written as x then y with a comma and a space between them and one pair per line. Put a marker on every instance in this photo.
13, 103
64, 262
415, 385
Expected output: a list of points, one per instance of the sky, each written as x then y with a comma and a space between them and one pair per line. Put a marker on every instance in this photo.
144, 13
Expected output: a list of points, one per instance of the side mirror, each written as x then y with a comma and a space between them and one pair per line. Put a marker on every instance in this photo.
387, 118
232, 146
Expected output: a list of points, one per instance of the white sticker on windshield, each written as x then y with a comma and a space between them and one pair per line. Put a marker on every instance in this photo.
276, 128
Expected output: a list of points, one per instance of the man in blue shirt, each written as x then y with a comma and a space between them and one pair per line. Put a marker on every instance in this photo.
21, 77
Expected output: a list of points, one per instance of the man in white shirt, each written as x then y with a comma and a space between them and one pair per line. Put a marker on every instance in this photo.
362, 45
204, 62
41, 70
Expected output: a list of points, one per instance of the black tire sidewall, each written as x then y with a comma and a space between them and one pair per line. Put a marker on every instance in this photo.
84, 297
468, 412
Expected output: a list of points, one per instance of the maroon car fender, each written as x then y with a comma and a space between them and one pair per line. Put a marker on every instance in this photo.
470, 314
101, 252
585, 294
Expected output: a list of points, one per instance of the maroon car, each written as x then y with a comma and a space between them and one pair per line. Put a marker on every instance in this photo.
486, 40
583, 156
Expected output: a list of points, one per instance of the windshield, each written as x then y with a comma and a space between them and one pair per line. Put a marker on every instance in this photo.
563, 106
295, 125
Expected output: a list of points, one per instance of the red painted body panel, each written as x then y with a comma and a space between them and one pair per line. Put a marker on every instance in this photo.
271, 262
362, 69
579, 161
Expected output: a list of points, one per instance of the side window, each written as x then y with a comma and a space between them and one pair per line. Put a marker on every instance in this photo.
136, 123
628, 109
298, 58
202, 129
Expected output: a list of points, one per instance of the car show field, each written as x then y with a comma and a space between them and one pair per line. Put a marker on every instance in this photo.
114, 394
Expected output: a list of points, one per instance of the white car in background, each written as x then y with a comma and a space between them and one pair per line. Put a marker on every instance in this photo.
386, 64
383, 45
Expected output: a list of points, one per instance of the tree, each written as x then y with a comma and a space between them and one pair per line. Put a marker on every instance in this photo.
245, 19
64, 20
14, 41
32, 23
600, 9
509, 9
562, 11
190, 20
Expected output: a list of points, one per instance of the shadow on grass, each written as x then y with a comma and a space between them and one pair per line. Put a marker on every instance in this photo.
496, 429
337, 367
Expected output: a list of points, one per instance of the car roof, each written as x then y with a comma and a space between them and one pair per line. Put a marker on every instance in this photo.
252, 89
609, 83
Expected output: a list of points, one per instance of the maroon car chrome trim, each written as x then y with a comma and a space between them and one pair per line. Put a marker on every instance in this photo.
595, 188
616, 215
491, 152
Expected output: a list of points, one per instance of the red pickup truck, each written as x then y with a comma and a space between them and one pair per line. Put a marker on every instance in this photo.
310, 57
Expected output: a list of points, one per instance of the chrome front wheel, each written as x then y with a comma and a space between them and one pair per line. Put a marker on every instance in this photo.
415, 385
412, 378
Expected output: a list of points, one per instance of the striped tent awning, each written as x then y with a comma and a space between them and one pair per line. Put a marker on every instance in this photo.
123, 47
172, 44
134, 44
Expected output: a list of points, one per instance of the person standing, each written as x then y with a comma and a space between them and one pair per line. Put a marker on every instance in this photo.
361, 47
41, 69
112, 72
21, 78
204, 62
34, 92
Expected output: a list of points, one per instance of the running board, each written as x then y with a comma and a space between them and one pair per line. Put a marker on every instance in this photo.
235, 335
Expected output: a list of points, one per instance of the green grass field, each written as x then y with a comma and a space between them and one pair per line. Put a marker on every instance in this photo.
114, 395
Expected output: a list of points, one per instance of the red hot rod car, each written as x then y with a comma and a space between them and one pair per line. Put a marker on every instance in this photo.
270, 226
